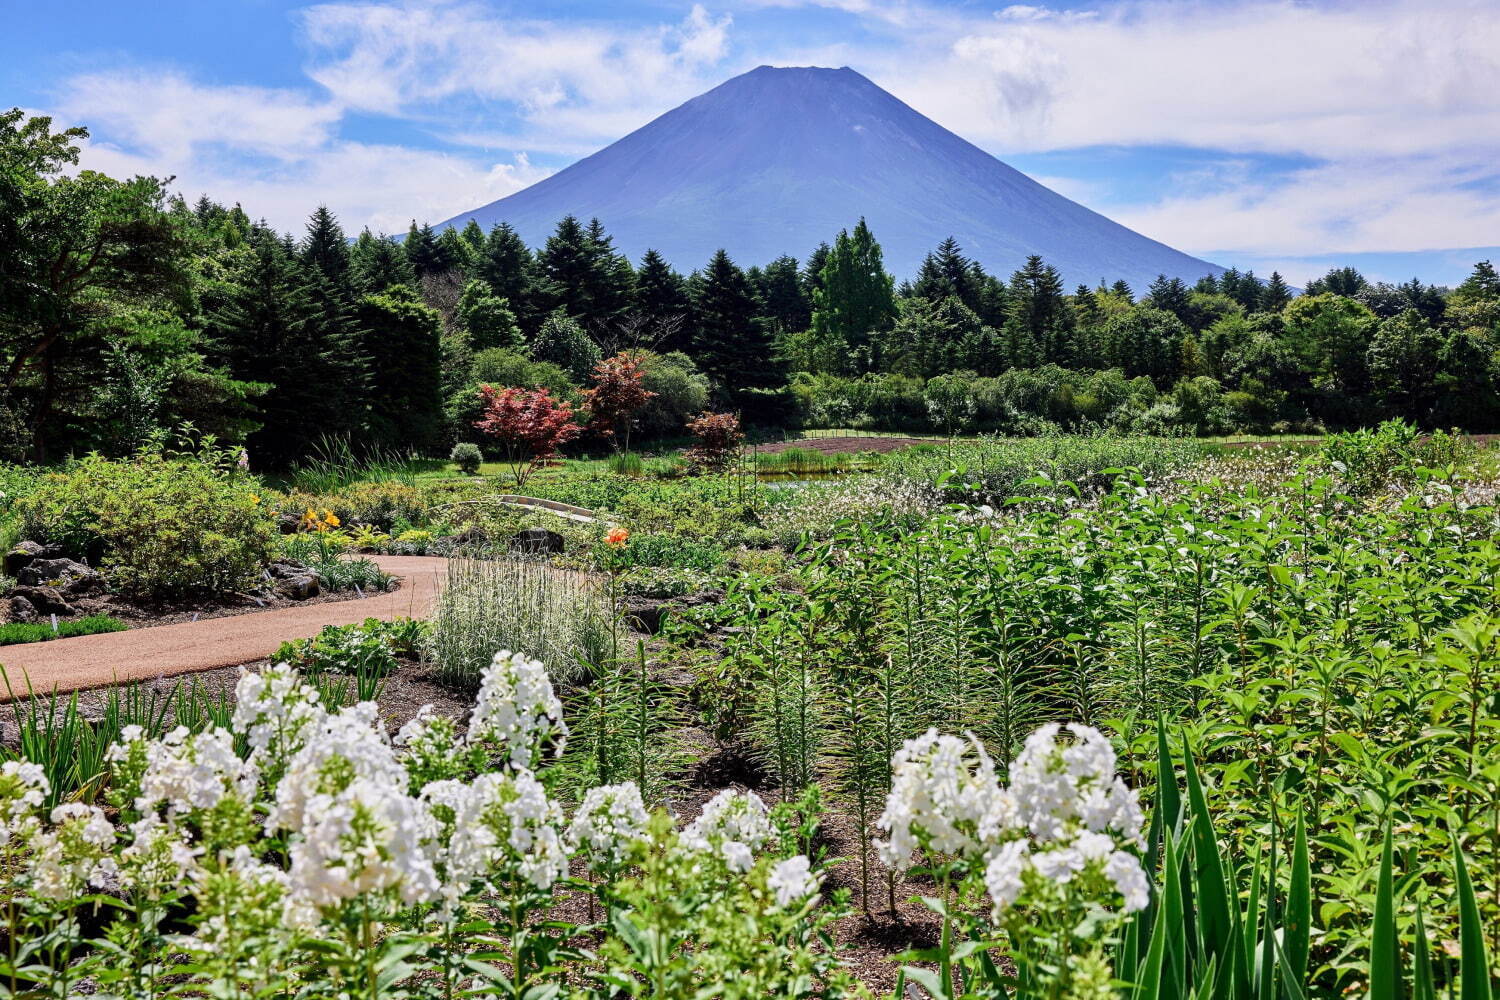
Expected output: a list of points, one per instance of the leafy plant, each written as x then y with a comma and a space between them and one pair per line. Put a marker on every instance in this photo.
19, 632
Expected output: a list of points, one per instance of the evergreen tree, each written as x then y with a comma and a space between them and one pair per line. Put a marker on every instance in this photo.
1123, 290
947, 272
855, 304
453, 253
326, 248
732, 345
1038, 323
508, 266
1345, 281
474, 242
403, 338
582, 274
812, 272
378, 262
786, 306
661, 299
422, 251
1468, 380
1276, 294
487, 317
1403, 363
271, 329
1169, 294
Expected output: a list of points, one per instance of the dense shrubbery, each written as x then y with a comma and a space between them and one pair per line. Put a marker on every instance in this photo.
159, 526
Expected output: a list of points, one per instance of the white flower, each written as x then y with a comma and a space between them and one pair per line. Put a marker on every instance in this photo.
191, 772
341, 748
366, 837
506, 822
157, 856
943, 788
792, 880
273, 710
608, 820
73, 854
23, 789
1125, 871
516, 706
1055, 787
1003, 876
735, 824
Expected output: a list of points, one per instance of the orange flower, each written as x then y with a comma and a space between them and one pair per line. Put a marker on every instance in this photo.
617, 537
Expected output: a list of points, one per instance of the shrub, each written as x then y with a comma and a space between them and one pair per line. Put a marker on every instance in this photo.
626, 463
21, 632
717, 440
368, 648
664, 582
160, 527
467, 457
529, 426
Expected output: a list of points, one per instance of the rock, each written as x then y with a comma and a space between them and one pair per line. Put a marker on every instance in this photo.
50, 572
24, 553
46, 600
22, 610
646, 614
536, 541
286, 570
298, 588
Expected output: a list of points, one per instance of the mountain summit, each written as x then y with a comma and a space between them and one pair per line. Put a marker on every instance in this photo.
778, 160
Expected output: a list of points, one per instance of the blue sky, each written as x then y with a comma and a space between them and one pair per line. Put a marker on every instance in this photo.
1288, 134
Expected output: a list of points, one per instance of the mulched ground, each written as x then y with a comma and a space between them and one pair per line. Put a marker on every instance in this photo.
845, 445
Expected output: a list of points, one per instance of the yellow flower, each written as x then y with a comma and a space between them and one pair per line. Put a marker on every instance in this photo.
255, 498
330, 518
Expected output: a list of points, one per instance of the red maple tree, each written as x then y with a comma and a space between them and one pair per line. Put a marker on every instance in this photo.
528, 424
717, 440
618, 392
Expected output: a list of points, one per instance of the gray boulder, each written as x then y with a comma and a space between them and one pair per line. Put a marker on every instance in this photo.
73, 577
46, 600
24, 554
22, 610
536, 541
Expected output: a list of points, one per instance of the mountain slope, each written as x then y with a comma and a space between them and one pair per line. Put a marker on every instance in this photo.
778, 160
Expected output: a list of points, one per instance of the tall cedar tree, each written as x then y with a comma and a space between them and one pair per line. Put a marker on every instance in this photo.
378, 262
944, 272
276, 327
732, 345
509, 267
855, 304
1038, 324
403, 339
1276, 294
422, 251
326, 248
784, 300
661, 299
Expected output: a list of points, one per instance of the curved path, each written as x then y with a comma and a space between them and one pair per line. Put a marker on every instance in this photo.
167, 650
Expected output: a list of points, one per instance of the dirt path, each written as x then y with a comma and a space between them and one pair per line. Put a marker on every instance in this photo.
167, 650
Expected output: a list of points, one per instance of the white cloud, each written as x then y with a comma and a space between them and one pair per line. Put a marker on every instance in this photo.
577, 79
276, 153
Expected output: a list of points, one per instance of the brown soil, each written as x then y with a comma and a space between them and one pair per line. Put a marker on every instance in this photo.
192, 646
845, 445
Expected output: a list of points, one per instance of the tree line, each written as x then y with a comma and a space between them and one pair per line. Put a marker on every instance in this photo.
125, 313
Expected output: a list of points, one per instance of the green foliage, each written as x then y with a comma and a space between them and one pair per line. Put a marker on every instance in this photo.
664, 551
467, 457
159, 527
19, 632
367, 652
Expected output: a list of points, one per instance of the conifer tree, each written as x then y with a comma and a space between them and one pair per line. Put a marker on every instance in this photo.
786, 306
855, 304
402, 336
508, 266
661, 300
422, 251
1038, 324
487, 317
326, 248
1276, 294
378, 262
731, 343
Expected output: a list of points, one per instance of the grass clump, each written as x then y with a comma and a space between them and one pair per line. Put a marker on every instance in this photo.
560, 617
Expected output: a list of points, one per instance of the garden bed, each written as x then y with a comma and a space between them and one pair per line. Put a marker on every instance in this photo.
844, 445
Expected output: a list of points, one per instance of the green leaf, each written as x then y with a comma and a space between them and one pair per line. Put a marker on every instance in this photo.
1423, 987
1474, 967
1385, 947
1297, 920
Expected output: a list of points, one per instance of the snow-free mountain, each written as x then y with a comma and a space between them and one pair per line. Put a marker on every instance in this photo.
778, 160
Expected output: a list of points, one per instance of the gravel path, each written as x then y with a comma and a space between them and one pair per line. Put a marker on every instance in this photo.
187, 647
